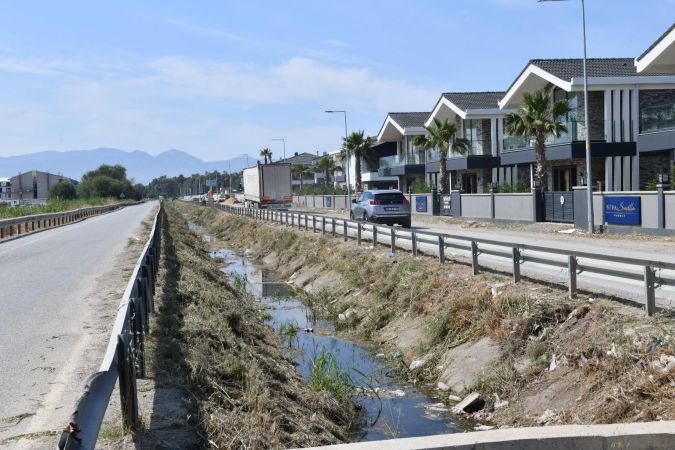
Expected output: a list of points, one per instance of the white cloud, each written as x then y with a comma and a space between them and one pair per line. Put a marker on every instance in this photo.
204, 106
298, 79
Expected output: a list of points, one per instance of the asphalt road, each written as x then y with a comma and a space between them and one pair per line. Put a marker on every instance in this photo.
59, 292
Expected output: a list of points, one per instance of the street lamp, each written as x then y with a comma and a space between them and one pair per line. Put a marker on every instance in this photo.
589, 178
349, 186
283, 141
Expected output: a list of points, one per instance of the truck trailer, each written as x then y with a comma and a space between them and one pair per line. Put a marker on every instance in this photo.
268, 186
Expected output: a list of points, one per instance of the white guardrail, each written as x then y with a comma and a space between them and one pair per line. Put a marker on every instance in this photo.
124, 357
601, 273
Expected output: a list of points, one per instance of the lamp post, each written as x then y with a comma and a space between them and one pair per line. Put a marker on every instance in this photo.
283, 141
349, 186
589, 178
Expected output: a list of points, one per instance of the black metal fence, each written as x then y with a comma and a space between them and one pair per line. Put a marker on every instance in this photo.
125, 356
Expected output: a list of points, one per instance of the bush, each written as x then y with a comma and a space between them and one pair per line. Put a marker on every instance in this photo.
63, 191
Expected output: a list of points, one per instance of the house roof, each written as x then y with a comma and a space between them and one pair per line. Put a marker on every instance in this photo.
565, 72
660, 55
304, 158
463, 104
474, 100
398, 124
656, 42
409, 119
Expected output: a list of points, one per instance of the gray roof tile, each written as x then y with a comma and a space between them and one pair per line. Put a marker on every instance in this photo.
305, 158
409, 119
474, 100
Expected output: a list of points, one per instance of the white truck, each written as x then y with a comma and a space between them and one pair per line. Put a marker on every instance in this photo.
268, 185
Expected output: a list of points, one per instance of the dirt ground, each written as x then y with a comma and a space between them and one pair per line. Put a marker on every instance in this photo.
534, 356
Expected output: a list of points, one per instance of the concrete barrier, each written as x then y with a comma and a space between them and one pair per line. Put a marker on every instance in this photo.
633, 436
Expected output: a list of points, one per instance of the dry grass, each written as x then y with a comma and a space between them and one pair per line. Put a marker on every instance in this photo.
602, 348
248, 394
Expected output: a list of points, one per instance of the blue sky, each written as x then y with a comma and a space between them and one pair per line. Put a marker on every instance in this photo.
219, 78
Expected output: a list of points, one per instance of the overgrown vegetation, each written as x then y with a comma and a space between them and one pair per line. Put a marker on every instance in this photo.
54, 206
591, 360
248, 394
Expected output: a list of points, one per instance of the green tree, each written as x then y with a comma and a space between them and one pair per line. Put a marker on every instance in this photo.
537, 119
267, 154
361, 148
442, 136
63, 191
326, 165
106, 181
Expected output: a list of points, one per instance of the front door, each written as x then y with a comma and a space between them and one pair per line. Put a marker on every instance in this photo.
564, 178
469, 183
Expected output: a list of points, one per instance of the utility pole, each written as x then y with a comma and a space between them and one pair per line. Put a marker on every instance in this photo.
589, 178
349, 185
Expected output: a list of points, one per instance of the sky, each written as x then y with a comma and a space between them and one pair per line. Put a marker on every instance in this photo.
222, 78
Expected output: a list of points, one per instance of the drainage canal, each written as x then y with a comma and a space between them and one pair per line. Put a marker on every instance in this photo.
399, 409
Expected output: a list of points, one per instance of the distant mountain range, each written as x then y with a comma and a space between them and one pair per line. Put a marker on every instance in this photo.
141, 166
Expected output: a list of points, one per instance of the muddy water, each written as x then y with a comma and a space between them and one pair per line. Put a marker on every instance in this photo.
399, 410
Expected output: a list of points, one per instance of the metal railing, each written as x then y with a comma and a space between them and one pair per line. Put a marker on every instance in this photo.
650, 274
124, 357
17, 226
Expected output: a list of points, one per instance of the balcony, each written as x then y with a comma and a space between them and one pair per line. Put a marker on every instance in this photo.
573, 134
657, 118
569, 145
395, 165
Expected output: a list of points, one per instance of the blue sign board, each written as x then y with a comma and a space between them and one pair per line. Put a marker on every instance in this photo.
622, 210
421, 203
329, 202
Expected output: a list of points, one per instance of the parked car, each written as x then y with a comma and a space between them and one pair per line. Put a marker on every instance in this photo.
388, 206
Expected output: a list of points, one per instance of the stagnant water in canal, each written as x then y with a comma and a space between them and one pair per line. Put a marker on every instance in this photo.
400, 409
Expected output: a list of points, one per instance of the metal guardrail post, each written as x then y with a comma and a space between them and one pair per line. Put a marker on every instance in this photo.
516, 264
323, 225
137, 326
332, 224
344, 229
313, 224
474, 257
393, 240
358, 233
413, 240
441, 249
127, 381
374, 235
306, 221
649, 278
571, 276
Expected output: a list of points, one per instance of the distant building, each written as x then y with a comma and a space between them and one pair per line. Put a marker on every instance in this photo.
302, 159
31, 187
5, 189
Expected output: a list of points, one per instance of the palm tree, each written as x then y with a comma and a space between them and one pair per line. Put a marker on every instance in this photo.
443, 136
327, 166
301, 171
361, 148
537, 119
267, 154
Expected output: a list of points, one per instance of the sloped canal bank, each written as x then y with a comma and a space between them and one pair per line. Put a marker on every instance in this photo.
393, 408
